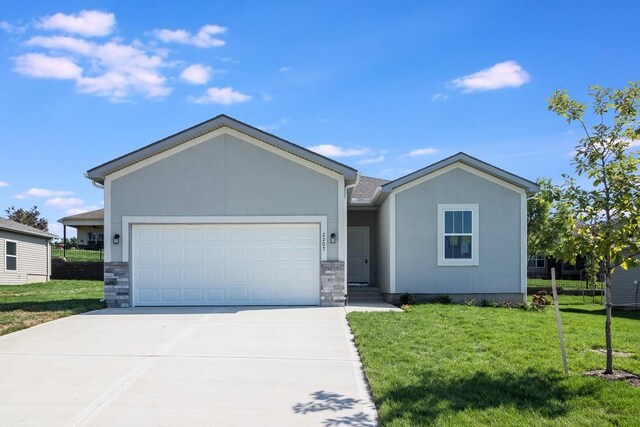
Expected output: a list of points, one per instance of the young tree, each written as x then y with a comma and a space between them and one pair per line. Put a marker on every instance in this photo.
607, 207
549, 222
29, 217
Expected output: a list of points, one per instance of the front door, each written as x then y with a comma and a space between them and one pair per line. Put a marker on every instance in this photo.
358, 255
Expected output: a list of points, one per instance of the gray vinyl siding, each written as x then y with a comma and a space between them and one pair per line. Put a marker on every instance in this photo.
384, 246
369, 219
623, 292
224, 176
499, 269
34, 262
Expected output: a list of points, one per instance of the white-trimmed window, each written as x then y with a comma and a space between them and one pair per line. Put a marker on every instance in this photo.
458, 235
537, 261
11, 255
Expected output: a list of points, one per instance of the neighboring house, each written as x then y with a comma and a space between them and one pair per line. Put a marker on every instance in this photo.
226, 214
625, 288
89, 227
25, 254
539, 267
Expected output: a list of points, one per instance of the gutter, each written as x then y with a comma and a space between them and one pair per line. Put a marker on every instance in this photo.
95, 184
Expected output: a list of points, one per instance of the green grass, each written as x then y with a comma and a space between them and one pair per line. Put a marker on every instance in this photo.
459, 365
77, 254
24, 306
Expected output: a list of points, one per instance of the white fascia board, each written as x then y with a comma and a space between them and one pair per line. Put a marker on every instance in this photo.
108, 240
523, 245
392, 243
128, 221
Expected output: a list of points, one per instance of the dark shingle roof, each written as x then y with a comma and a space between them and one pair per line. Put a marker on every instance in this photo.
366, 189
16, 227
97, 214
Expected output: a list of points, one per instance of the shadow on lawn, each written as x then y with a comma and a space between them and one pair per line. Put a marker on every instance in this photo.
77, 305
542, 393
623, 314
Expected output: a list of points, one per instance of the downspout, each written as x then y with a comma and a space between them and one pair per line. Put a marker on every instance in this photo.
346, 217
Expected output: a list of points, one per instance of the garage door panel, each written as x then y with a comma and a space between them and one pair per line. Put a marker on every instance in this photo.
216, 296
171, 295
226, 264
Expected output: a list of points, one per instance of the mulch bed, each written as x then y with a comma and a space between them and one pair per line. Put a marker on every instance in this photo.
630, 379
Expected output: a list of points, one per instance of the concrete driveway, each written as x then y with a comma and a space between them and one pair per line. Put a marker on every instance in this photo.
185, 366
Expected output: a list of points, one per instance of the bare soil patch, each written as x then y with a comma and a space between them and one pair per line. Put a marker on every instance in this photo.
627, 377
615, 353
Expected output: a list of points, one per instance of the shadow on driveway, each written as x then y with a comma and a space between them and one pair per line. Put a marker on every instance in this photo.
334, 402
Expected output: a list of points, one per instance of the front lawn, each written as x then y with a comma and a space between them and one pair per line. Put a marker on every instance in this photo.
459, 365
28, 305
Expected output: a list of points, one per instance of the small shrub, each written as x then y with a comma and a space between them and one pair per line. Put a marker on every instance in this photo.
540, 301
443, 299
469, 302
488, 303
407, 299
505, 304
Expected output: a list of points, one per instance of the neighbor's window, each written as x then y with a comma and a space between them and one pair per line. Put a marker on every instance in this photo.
458, 235
11, 256
537, 261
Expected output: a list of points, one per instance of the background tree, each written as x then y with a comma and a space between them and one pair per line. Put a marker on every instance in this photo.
29, 217
549, 222
607, 208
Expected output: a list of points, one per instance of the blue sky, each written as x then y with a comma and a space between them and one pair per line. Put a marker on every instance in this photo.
385, 87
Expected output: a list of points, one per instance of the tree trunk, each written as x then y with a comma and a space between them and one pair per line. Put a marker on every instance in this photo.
607, 324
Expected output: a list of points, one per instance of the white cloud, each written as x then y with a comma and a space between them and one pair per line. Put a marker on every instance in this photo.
421, 152
203, 38
221, 95
330, 150
76, 211
64, 202
439, 97
266, 96
39, 65
116, 70
42, 192
63, 43
196, 74
12, 29
634, 144
274, 126
88, 23
285, 69
501, 75
371, 160
3, 184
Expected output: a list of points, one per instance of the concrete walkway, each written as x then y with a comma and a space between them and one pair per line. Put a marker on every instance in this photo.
185, 367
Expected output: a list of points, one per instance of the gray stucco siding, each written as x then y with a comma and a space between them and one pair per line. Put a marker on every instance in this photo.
499, 269
384, 246
224, 176
33, 259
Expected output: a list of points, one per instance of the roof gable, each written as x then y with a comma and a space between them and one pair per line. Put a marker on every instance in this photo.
98, 173
507, 177
16, 227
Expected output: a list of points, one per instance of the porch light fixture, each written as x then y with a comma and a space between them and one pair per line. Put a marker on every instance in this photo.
116, 239
333, 238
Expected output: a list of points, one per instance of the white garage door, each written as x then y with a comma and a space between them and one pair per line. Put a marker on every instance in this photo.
226, 264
